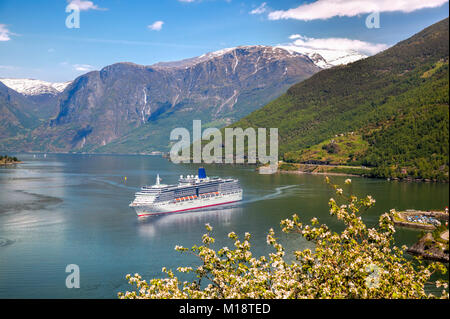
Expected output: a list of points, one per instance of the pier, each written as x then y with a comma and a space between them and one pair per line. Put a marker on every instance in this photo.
426, 220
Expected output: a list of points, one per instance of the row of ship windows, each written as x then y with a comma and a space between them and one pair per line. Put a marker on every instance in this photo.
203, 196
230, 192
207, 195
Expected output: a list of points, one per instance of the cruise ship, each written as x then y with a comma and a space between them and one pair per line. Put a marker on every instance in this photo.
190, 194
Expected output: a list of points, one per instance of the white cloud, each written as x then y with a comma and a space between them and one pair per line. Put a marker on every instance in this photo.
84, 5
337, 44
295, 36
156, 26
5, 33
83, 67
189, 1
325, 9
261, 9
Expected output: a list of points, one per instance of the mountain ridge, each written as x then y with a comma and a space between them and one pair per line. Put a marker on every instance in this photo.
109, 105
314, 55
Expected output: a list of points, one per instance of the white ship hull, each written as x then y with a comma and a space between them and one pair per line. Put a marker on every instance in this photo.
186, 206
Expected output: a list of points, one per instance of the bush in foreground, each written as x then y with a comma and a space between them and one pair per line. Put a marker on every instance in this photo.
359, 262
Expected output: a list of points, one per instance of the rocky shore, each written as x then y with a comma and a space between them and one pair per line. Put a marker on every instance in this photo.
7, 160
429, 248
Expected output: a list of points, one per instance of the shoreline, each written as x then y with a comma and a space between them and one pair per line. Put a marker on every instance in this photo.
318, 173
296, 171
10, 163
355, 171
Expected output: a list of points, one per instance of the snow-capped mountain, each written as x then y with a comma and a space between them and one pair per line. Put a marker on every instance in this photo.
35, 87
325, 58
265, 52
103, 107
127, 107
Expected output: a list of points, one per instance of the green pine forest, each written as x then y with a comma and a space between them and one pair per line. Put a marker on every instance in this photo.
389, 112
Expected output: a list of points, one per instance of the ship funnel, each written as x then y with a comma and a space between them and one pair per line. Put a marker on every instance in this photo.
201, 172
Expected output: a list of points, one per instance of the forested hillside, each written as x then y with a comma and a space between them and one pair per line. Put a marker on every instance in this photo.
397, 101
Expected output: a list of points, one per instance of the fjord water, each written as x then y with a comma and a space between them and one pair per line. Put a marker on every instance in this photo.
73, 209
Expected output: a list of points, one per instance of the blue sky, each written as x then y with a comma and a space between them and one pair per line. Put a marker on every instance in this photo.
35, 42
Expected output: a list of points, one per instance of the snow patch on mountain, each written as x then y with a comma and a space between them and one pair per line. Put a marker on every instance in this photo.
35, 87
211, 55
326, 58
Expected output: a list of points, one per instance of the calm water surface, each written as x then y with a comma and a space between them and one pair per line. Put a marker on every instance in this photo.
73, 209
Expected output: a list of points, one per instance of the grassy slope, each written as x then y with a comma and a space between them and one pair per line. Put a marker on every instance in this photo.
341, 149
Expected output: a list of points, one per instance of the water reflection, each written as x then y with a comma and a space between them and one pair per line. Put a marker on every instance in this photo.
153, 226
